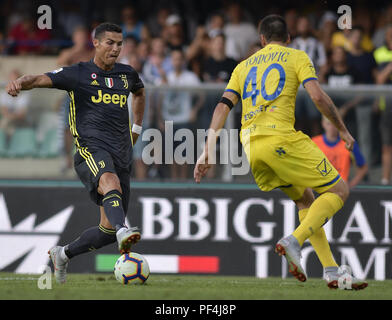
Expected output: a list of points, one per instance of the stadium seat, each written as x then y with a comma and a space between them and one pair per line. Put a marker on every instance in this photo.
48, 120
23, 143
50, 145
3, 143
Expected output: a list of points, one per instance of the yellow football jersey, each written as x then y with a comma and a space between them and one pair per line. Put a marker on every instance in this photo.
267, 82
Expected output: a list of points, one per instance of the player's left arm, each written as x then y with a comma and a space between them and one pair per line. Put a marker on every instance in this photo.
361, 166
222, 109
138, 104
327, 108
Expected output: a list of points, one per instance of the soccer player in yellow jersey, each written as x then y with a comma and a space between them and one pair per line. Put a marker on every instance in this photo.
279, 156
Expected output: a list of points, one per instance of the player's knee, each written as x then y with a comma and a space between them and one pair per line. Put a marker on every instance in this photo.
342, 190
109, 182
345, 191
306, 200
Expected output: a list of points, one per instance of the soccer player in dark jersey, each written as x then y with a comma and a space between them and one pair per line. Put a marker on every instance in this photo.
99, 123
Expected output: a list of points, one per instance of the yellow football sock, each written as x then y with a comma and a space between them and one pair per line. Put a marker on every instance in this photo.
321, 210
320, 243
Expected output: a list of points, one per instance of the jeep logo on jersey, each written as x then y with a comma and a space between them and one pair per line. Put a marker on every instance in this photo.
109, 82
110, 98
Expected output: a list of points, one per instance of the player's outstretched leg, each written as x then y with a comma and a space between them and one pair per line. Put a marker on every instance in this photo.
333, 275
91, 239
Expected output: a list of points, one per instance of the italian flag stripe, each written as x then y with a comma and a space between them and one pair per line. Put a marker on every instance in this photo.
161, 263
109, 82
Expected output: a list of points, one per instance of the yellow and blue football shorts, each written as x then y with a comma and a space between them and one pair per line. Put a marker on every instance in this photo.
290, 162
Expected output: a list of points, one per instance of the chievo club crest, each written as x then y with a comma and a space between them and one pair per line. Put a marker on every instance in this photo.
109, 82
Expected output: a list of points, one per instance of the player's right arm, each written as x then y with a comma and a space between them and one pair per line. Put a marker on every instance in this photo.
326, 106
28, 82
219, 117
65, 78
229, 99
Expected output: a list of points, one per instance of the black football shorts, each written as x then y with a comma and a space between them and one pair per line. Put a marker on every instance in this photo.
90, 165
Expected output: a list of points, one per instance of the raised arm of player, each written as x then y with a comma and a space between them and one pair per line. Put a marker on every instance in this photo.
138, 103
218, 121
28, 82
326, 106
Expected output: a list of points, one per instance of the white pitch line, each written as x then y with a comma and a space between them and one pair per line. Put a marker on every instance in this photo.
16, 279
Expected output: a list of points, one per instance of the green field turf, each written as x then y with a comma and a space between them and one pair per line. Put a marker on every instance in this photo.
175, 287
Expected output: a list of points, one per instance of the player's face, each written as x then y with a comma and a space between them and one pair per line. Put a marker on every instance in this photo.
108, 47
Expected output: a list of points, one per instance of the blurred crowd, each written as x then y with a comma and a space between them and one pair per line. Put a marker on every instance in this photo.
185, 43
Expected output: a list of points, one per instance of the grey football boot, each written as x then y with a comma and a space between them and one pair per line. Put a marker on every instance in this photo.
60, 265
332, 275
126, 237
291, 250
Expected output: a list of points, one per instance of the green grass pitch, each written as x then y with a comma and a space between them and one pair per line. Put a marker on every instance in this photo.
184, 287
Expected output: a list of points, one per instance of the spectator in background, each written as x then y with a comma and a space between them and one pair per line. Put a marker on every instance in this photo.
155, 69
360, 59
326, 30
174, 34
385, 19
70, 16
334, 149
132, 26
13, 110
80, 51
217, 67
307, 42
216, 23
291, 18
158, 63
308, 117
141, 168
364, 18
143, 50
26, 38
239, 33
342, 39
157, 22
341, 75
197, 51
364, 63
129, 48
178, 106
383, 56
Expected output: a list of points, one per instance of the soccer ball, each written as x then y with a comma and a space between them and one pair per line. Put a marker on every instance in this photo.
131, 268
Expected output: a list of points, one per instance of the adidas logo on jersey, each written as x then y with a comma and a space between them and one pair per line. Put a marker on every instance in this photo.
94, 83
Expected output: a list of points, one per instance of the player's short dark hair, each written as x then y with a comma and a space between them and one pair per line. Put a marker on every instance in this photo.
106, 27
274, 28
